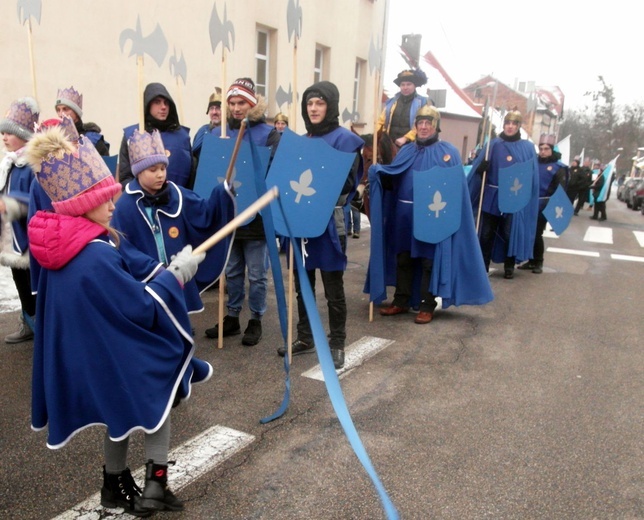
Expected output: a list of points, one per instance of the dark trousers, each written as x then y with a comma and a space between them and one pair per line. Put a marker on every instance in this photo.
22, 279
336, 303
405, 278
582, 198
491, 225
539, 248
599, 211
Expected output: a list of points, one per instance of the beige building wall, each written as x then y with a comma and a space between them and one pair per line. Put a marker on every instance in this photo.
77, 43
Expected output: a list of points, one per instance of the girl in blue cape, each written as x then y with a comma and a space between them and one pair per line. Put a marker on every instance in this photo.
109, 350
453, 267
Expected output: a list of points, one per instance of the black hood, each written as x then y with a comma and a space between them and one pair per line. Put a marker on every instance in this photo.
329, 92
172, 122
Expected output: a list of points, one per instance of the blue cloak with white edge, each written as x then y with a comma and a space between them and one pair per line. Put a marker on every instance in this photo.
186, 218
524, 222
121, 359
458, 272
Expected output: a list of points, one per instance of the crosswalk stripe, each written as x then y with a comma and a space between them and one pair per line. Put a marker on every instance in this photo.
194, 458
628, 258
572, 252
639, 236
600, 235
355, 355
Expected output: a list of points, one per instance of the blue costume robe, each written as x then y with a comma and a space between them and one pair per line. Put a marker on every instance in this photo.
20, 179
458, 273
109, 350
186, 218
325, 251
524, 222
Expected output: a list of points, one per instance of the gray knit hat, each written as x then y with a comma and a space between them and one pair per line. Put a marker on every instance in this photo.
21, 118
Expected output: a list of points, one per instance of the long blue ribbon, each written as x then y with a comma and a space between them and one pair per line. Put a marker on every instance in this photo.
331, 380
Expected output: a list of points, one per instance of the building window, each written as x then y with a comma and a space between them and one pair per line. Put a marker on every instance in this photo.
358, 90
321, 64
262, 55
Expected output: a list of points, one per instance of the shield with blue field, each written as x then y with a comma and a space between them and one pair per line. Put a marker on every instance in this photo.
213, 165
558, 211
515, 186
438, 203
309, 174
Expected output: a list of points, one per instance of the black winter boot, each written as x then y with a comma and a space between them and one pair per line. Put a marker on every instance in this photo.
156, 494
121, 491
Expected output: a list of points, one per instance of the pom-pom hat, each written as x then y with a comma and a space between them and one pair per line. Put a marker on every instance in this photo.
146, 149
76, 180
21, 118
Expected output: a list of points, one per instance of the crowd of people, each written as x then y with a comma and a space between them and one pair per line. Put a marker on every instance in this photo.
125, 244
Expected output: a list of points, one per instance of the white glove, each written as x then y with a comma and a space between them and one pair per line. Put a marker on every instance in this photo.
184, 264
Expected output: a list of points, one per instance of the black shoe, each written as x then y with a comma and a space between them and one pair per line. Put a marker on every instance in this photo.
338, 357
121, 491
593, 218
537, 269
298, 347
527, 266
509, 274
231, 328
156, 495
253, 333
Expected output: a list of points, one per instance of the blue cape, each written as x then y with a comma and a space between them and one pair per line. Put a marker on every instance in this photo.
458, 273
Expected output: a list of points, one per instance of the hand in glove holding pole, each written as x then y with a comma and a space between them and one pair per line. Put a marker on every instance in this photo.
184, 264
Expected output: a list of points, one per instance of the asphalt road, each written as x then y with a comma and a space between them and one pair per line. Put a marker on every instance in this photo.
528, 407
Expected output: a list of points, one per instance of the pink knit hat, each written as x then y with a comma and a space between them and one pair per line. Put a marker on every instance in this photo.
76, 181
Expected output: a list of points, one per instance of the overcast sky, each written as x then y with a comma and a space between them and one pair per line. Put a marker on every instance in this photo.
562, 43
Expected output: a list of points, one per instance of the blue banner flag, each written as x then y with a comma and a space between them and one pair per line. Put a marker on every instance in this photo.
213, 165
515, 186
309, 174
437, 203
558, 211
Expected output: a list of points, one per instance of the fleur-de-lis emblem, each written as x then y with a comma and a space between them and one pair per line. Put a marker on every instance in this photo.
303, 186
516, 186
438, 203
236, 183
559, 211
154, 45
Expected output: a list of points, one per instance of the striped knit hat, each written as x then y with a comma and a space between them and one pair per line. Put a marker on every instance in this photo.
245, 88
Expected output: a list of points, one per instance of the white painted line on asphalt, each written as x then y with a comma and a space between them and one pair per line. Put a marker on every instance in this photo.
549, 233
628, 258
194, 458
599, 235
355, 355
572, 252
639, 236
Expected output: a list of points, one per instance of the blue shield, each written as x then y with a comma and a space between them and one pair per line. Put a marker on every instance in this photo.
438, 203
558, 211
213, 165
111, 161
515, 186
309, 174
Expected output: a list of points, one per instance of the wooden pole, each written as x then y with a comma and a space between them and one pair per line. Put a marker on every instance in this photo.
224, 102
292, 122
233, 158
180, 100
487, 156
139, 66
32, 60
289, 332
374, 154
238, 221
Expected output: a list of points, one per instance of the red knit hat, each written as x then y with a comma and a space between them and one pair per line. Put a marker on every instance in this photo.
245, 88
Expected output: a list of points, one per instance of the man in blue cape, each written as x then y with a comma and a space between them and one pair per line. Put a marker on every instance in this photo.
451, 265
506, 235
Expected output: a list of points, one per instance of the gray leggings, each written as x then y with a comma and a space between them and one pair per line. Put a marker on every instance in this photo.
157, 445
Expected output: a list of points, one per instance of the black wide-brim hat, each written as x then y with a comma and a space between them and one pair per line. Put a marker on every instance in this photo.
411, 76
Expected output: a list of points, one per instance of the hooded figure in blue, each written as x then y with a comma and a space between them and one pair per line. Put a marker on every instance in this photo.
506, 238
321, 114
453, 267
160, 218
108, 350
161, 114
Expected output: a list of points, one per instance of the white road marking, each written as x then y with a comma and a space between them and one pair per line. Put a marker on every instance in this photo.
194, 458
627, 257
599, 235
572, 252
355, 355
639, 236
549, 233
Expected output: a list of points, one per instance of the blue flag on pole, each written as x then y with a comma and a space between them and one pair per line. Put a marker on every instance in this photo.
213, 165
437, 203
309, 174
558, 211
